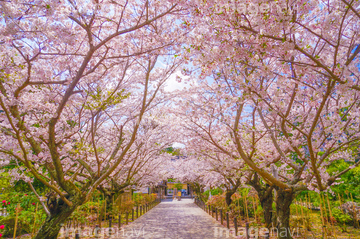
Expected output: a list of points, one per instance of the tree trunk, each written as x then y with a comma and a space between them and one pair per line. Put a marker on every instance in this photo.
59, 213
265, 194
228, 195
266, 204
283, 202
52, 225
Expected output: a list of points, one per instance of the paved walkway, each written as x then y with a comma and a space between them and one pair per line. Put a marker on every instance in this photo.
175, 220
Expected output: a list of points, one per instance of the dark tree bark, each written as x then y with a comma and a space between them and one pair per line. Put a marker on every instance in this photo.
59, 212
265, 194
231, 190
284, 198
228, 195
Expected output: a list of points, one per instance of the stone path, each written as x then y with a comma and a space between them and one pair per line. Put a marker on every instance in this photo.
175, 220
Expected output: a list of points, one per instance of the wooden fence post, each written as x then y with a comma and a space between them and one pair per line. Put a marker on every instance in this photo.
236, 226
227, 220
221, 217
247, 230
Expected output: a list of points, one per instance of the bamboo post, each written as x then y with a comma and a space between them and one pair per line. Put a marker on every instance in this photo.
309, 205
330, 213
253, 199
99, 214
310, 208
303, 218
16, 219
325, 211
322, 218
91, 200
326, 216
296, 203
340, 203
296, 209
33, 230
119, 220
246, 208
239, 209
105, 210
238, 203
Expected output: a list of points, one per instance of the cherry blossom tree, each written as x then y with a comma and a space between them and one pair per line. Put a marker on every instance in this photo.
77, 79
207, 116
213, 168
145, 164
294, 65
267, 126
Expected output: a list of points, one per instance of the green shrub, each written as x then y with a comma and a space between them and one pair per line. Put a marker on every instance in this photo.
341, 218
25, 223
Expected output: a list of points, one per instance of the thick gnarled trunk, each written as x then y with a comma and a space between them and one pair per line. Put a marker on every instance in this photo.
265, 194
284, 198
51, 227
266, 203
59, 213
228, 195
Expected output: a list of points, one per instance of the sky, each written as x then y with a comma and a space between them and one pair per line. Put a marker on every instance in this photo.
173, 84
